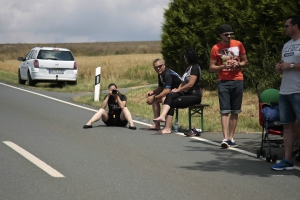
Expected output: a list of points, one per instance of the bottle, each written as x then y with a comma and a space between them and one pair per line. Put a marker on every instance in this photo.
175, 127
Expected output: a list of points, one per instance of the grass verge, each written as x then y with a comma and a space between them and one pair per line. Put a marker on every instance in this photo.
136, 102
136, 70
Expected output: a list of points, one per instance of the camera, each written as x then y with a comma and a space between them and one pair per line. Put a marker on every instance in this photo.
114, 92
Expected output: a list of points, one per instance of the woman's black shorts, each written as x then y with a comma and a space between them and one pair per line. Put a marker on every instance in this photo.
114, 120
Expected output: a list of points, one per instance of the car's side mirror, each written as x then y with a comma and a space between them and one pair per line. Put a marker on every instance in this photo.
21, 59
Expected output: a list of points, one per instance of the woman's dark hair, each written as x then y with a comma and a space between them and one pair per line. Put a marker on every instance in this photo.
112, 84
191, 56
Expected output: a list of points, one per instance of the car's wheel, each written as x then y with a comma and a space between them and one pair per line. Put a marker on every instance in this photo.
20, 81
30, 81
73, 82
61, 84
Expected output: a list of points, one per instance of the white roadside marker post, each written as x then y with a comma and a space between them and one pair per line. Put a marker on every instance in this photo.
97, 84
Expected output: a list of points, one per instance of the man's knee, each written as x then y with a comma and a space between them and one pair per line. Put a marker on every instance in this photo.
225, 112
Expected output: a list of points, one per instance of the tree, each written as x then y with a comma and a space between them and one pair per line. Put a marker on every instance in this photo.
258, 24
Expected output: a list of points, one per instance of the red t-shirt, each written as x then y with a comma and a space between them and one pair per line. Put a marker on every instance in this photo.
223, 54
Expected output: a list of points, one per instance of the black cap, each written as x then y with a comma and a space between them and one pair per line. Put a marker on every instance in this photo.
225, 28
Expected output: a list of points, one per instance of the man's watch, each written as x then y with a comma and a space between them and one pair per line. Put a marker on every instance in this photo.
292, 65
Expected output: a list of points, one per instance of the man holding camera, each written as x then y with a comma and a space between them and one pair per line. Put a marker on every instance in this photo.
167, 80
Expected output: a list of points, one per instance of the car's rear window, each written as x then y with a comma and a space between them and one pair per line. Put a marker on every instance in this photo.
55, 55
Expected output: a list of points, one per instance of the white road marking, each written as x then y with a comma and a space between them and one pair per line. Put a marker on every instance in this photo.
196, 138
231, 148
218, 144
49, 97
72, 104
48, 169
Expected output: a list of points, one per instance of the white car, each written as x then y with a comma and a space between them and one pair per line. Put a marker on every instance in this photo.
48, 64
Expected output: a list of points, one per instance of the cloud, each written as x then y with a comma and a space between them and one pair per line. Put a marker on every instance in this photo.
65, 21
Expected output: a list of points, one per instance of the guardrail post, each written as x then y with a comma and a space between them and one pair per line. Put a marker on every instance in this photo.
97, 84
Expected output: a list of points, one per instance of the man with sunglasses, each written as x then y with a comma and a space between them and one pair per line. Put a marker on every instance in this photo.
289, 95
167, 80
227, 57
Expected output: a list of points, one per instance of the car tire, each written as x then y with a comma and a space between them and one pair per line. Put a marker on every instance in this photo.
72, 82
60, 83
29, 79
20, 81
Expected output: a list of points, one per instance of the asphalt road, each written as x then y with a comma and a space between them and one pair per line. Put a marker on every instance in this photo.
46, 154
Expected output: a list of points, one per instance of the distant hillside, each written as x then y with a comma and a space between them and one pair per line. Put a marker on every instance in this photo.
12, 51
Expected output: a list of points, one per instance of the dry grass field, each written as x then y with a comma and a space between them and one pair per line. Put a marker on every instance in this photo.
125, 70
129, 70
12, 51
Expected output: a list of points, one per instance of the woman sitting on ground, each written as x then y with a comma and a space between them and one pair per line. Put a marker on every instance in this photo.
118, 114
188, 93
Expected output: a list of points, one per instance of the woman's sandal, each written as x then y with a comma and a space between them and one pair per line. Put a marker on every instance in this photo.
132, 127
87, 126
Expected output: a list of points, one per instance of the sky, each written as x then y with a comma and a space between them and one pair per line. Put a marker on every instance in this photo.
80, 21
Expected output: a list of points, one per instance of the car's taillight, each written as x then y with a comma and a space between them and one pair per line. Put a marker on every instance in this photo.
75, 65
36, 64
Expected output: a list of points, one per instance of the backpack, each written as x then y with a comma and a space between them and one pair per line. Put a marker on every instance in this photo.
270, 113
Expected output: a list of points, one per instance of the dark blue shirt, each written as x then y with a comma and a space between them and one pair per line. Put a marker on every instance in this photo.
169, 79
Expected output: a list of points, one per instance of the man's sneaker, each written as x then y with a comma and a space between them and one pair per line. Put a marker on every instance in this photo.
232, 143
283, 165
224, 143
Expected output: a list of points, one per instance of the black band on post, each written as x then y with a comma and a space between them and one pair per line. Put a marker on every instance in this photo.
97, 79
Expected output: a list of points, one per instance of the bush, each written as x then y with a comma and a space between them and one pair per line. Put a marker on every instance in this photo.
257, 24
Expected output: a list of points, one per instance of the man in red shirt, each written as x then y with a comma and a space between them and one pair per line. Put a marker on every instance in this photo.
227, 58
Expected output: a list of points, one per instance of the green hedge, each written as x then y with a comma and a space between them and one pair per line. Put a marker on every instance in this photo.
258, 24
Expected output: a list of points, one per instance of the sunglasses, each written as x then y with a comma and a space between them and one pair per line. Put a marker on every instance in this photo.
286, 26
227, 34
158, 66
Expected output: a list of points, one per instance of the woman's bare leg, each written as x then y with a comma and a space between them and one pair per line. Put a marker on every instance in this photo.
97, 116
162, 117
168, 126
125, 115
